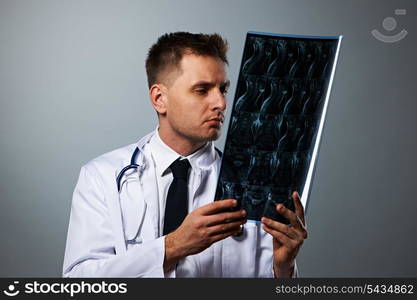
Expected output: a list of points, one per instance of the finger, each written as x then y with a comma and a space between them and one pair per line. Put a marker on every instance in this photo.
295, 221
282, 238
303, 227
289, 214
226, 217
285, 229
217, 206
299, 208
218, 237
222, 228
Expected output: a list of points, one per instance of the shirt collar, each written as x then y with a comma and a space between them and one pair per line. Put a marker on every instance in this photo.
164, 156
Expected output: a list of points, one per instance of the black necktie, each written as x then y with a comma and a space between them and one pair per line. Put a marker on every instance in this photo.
177, 200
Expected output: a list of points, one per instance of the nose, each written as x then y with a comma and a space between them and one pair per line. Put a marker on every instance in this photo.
219, 100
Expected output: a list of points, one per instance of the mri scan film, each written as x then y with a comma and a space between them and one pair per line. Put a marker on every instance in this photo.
277, 120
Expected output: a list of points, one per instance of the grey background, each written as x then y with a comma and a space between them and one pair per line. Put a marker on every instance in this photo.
73, 86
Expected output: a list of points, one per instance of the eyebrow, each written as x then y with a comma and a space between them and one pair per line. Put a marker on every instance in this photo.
210, 84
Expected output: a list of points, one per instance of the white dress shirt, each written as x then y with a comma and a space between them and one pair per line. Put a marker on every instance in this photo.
162, 157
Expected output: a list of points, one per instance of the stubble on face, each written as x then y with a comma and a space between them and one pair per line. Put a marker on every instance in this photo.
190, 113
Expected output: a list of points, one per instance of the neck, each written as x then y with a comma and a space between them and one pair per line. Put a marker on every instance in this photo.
179, 143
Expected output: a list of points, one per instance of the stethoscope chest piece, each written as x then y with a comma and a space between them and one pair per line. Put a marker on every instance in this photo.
136, 240
240, 234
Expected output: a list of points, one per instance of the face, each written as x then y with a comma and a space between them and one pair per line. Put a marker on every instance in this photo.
194, 101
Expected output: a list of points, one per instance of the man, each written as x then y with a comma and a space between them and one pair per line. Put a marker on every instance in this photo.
158, 218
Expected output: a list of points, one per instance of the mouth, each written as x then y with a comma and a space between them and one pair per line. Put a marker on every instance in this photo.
216, 121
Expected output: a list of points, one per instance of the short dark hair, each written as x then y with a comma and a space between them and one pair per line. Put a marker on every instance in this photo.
168, 51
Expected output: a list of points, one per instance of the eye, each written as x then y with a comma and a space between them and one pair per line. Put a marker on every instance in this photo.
201, 91
224, 90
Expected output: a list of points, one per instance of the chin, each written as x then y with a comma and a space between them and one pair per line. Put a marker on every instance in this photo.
203, 135
214, 134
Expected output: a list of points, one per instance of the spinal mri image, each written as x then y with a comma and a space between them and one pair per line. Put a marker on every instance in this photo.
276, 115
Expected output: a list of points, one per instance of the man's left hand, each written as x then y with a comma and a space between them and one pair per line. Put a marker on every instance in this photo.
287, 240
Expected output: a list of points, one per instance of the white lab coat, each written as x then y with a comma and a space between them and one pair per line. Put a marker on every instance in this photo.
102, 220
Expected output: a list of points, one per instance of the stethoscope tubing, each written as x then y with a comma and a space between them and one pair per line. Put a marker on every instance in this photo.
132, 165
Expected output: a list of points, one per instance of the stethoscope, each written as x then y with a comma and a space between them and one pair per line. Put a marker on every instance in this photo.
137, 239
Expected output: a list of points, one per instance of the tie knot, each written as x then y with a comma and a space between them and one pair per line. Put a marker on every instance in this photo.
179, 168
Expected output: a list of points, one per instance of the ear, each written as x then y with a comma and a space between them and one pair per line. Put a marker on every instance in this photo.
157, 94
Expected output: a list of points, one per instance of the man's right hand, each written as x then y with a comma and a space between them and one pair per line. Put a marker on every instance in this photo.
200, 229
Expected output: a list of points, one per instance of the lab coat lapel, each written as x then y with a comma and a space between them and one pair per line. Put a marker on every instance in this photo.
206, 184
148, 189
149, 193
132, 204
115, 212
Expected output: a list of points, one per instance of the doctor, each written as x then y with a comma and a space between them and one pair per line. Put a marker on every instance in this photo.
157, 218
